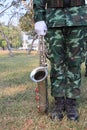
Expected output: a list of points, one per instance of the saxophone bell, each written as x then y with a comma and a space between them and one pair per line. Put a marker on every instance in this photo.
39, 74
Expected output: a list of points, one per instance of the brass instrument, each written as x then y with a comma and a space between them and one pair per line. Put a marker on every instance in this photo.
39, 75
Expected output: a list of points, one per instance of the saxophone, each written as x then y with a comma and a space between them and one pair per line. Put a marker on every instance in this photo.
39, 75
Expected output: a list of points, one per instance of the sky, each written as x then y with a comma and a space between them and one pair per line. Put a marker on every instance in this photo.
4, 17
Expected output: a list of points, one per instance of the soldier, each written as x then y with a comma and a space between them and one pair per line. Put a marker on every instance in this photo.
62, 23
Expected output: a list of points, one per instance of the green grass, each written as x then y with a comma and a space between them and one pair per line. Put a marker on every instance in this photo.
17, 98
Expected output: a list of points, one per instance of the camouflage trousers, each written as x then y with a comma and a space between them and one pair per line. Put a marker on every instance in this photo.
65, 48
86, 58
85, 45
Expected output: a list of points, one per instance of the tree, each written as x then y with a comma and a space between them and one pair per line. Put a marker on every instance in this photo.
3, 44
22, 12
14, 12
15, 36
26, 22
12, 36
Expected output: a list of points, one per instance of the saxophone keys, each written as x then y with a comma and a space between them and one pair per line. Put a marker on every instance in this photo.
36, 90
37, 97
39, 109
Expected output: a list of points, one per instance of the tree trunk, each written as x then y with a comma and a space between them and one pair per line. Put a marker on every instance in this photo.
29, 50
8, 42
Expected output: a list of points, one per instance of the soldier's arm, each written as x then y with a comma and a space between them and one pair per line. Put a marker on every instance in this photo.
39, 10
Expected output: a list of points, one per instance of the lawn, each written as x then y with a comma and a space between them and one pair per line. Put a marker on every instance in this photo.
17, 97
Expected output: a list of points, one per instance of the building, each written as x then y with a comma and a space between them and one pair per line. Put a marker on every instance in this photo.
28, 42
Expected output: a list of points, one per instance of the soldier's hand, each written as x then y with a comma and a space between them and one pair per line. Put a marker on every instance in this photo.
41, 28
85, 1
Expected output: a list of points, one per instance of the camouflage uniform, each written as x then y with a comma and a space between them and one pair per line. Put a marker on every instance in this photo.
86, 64
65, 43
86, 55
86, 46
86, 58
65, 57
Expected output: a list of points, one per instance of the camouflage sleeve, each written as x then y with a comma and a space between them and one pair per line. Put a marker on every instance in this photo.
39, 10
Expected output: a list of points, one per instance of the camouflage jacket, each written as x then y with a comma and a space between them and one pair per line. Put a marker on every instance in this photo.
58, 17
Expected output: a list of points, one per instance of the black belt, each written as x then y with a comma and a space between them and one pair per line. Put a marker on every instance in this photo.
64, 3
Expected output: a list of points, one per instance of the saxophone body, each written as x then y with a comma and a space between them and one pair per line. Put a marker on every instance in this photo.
39, 76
